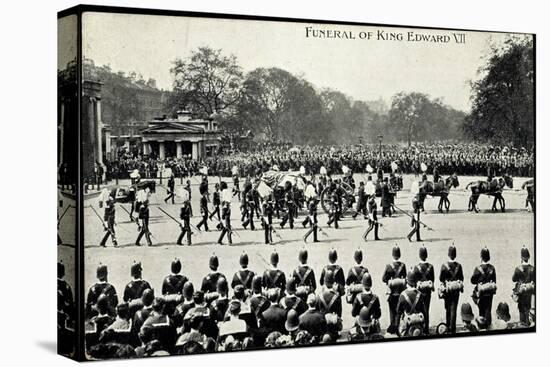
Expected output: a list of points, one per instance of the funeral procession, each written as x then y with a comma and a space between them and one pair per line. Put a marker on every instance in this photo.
237, 200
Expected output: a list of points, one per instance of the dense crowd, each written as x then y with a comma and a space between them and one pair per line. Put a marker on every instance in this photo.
274, 309
460, 158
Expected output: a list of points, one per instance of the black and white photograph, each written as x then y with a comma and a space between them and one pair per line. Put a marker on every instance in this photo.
253, 183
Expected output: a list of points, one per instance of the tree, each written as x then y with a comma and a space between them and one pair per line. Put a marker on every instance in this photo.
503, 98
207, 81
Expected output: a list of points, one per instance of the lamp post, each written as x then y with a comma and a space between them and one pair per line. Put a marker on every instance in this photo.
380, 137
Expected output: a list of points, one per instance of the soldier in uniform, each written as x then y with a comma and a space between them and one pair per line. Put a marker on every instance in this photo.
386, 200
173, 283
329, 295
274, 278
356, 272
394, 276
410, 303
236, 188
524, 277
210, 281
290, 206
361, 201
185, 305
312, 219
304, 276
424, 276
99, 322
366, 309
144, 227
204, 210
65, 293
373, 219
221, 303
226, 214
171, 186
335, 206
216, 202
484, 279
102, 287
258, 302
135, 288
336, 270
143, 313
249, 206
109, 222
451, 278
415, 220
267, 219
185, 223
291, 301
244, 276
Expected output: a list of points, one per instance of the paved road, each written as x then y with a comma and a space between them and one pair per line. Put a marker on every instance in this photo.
503, 233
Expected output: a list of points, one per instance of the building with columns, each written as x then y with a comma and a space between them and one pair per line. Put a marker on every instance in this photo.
182, 136
95, 135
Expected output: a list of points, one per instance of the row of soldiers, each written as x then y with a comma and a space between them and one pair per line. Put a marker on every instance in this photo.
295, 308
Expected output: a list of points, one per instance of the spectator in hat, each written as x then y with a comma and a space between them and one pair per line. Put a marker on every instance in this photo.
503, 317
467, 316
312, 320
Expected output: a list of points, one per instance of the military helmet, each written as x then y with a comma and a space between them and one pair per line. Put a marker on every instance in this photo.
367, 280
136, 269
292, 321
274, 258
332, 256
302, 256
257, 283
243, 260
214, 262
485, 254
101, 272
176, 266
525, 255
423, 253
364, 320
147, 297
411, 278
452, 252
60, 270
358, 256
396, 252
188, 290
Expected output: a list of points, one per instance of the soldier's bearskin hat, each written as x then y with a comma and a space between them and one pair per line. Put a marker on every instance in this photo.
243, 260
423, 253
332, 256
101, 271
302, 256
367, 280
452, 252
136, 269
176, 266
525, 255
274, 259
358, 256
485, 254
214, 262
396, 252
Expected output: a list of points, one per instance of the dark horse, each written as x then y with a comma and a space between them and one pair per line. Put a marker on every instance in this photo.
493, 188
441, 189
529, 185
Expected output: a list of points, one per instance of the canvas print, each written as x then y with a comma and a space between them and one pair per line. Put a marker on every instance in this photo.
265, 183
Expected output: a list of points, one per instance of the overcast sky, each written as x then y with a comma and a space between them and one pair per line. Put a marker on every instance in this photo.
363, 69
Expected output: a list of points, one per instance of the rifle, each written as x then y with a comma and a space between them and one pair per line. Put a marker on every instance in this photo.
412, 216
102, 222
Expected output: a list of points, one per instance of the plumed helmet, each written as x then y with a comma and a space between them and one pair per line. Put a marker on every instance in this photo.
176, 266
358, 256
485, 254
396, 252
136, 269
147, 297
332, 256
222, 286
525, 255
290, 286
329, 278
243, 260
367, 280
60, 270
101, 272
214, 262
302, 256
257, 283
452, 252
188, 290
274, 258
423, 253
411, 278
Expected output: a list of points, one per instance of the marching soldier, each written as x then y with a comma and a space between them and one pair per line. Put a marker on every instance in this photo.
291, 301
415, 220
171, 186
424, 277
484, 279
312, 219
267, 219
386, 200
109, 222
410, 308
226, 214
135, 288
144, 227
216, 202
335, 206
236, 188
361, 201
204, 209
337, 271
244, 276
304, 276
524, 290
249, 206
209, 283
451, 278
274, 278
289, 206
373, 219
102, 287
173, 283
394, 276
185, 224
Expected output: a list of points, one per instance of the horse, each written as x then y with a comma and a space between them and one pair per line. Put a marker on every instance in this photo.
529, 185
490, 188
441, 189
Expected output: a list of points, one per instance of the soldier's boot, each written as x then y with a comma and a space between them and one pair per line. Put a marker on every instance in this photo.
104, 240
315, 239
222, 235
139, 239
148, 238
180, 237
